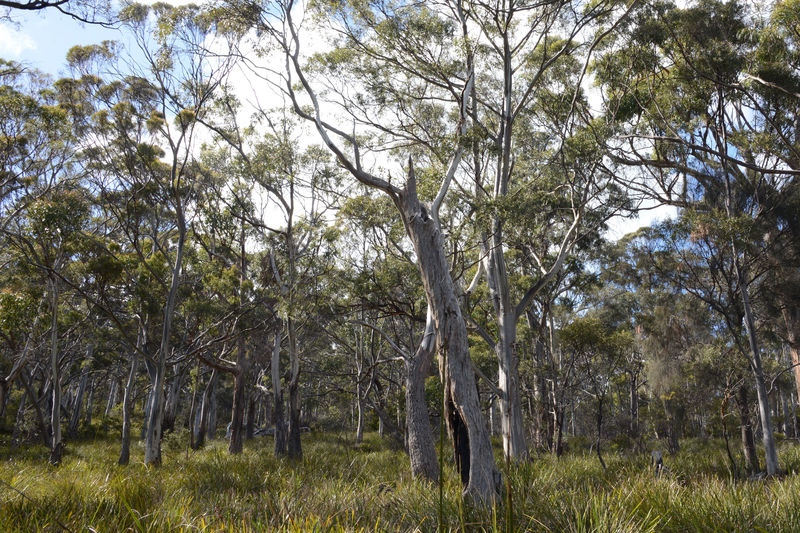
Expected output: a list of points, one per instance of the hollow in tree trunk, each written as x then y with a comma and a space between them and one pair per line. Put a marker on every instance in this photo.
465, 421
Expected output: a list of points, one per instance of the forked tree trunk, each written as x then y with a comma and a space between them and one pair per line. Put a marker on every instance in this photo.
465, 420
155, 418
155, 415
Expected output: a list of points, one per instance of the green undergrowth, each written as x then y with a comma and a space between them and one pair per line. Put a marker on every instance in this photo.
338, 486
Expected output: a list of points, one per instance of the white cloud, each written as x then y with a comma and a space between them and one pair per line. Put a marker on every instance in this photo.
14, 42
651, 213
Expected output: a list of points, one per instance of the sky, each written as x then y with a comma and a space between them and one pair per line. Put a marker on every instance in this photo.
41, 40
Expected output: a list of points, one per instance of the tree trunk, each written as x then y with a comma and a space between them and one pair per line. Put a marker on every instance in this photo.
56, 443
75, 418
294, 446
251, 416
465, 420
44, 431
112, 397
152, 441
784, 403
599, 421
155, 415
127, 402
205, 407
89, 402
211, 434
767, 436
791, 318
793, 415
18, 422
514, 445
359, 415
748, 440
277, 395
673, 442
173, 398
634, 406
240, 381
421, 446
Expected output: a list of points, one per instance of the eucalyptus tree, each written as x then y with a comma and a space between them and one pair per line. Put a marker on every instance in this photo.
382, 29
708, 125
535, 163
139, 132
47, 238
36, 150
386, 299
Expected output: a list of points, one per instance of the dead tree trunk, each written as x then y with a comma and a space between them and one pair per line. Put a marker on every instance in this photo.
465, 421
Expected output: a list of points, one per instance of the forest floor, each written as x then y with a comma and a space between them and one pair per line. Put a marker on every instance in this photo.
342, 487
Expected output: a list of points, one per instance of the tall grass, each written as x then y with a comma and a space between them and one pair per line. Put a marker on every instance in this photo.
341, 487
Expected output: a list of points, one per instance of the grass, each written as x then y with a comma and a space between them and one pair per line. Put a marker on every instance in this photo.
340, 487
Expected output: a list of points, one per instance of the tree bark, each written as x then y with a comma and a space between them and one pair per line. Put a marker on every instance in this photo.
112, 397
56, 443
127, 402
767, 436
294, 445
465, 420
173, 398
634, 405
748, 440
420, 442
18, 422
75, 418
359, 414
277, 394
240, 381
791, 318
152, 441
205, 407
251, 416
89, 403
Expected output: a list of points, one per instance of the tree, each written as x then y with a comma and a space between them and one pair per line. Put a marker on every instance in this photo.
697, 131
421, 220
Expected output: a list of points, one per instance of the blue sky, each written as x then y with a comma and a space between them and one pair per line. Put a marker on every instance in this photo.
41, 39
